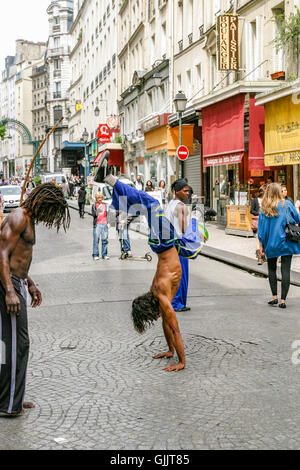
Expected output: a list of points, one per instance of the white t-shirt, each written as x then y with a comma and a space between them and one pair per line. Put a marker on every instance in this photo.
138, 185
169, 212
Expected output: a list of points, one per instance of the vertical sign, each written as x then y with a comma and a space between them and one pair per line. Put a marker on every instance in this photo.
228, 42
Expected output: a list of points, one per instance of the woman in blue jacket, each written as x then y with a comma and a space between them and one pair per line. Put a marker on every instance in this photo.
272, 237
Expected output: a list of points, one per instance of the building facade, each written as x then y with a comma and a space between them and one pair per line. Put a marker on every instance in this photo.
60, 14
40, 116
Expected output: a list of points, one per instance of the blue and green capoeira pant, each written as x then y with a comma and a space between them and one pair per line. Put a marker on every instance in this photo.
162, 234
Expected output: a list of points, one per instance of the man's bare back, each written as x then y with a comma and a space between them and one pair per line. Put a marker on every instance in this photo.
164, 287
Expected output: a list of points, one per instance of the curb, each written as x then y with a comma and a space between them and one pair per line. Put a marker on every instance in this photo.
232, 259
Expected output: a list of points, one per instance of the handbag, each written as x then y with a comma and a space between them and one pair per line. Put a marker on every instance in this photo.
292, 231
254, 224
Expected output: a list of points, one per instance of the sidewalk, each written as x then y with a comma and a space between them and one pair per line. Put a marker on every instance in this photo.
230, 249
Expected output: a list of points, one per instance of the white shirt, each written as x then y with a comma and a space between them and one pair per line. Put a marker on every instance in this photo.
169, 212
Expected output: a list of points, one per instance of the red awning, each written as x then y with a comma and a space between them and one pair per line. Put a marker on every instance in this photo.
223, 132
116, 158
256, 136
97, 159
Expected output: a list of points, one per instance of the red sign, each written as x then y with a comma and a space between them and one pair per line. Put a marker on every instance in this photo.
182, 153
104, 134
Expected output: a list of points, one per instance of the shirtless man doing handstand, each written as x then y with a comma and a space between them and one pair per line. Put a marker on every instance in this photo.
164, 242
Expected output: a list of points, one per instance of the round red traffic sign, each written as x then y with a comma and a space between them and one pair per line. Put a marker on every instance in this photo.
182, 152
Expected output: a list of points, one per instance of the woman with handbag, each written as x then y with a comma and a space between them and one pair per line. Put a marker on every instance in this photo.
277, 233
255, 211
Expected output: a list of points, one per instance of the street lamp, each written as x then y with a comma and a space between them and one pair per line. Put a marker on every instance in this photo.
180, 102
97, 111
85, 137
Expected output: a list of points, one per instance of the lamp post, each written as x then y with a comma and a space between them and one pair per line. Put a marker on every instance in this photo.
85, 137
180, 102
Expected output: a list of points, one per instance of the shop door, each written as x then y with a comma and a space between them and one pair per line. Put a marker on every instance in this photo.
192, 171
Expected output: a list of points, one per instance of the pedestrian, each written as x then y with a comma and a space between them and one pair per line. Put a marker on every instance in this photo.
149, 186
255, 211
81, 200
71, 188
189, 200
139, 183
64, 187
285, 193
123, 233
272, 237
30, 185
45, 204
99, 213
177, 212
162, 188
157, 302
297, 203
270, 179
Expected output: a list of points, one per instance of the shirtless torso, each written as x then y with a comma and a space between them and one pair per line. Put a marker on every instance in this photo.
17, 238
165, 285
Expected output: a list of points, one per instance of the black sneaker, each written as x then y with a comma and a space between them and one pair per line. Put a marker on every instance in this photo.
103, 168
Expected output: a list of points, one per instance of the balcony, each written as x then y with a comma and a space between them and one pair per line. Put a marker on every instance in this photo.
56, 95
57, 73
56, 28
190, 38
180, 45
55, 52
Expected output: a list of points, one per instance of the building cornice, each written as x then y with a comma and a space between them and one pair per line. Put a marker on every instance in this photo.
233, 90
78, 16
281, 91
132, 37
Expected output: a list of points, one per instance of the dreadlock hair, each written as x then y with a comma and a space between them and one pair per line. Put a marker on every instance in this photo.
46, 204
145, 310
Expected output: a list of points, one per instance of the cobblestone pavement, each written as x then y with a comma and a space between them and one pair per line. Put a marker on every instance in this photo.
96, 385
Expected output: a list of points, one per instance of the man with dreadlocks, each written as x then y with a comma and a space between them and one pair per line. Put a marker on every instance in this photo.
45, 204
165, 242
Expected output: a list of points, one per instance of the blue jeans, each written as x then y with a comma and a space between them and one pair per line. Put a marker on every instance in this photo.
100, 231
124, 240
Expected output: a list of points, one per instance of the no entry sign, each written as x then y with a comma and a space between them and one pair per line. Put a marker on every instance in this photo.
182, 152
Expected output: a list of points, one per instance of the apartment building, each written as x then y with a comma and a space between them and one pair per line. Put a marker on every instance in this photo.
60, 13
145, 61
93, 90
40, 116
7, 110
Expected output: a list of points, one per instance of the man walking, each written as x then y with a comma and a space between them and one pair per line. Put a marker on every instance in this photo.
81, 200
177, 212
45, 204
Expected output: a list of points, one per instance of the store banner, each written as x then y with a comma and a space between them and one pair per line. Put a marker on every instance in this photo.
228, 42
282, 132
256, 136
223, 132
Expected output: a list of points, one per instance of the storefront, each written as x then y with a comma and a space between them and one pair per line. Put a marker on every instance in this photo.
282, 135
233, 151
116, 158
72, 153
157, 163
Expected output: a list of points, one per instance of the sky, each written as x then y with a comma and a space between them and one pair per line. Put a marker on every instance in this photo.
22, 19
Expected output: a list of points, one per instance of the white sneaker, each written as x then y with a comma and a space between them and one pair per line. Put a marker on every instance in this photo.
96, 258
106, 257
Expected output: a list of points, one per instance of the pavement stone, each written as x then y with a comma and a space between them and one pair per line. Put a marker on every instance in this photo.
96, 385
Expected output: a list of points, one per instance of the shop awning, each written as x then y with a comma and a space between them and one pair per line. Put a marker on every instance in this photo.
75, 146
256, 160
223, 132
116, 155
282, 132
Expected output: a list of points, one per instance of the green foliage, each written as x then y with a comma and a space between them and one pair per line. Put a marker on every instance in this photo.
2, 132
118, 139
37, 180
291, 77
289, 31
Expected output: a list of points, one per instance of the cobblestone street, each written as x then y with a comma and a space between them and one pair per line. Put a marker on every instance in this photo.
96, 385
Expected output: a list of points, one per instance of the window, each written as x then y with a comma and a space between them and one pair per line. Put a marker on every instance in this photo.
57, 113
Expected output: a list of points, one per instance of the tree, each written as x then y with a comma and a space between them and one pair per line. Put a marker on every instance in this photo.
2, 132
289, 32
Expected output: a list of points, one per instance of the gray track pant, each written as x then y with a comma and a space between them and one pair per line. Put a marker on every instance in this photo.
14, 351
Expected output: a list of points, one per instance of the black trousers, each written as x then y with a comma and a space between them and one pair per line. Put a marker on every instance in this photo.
81, 208
286, 262
14, 351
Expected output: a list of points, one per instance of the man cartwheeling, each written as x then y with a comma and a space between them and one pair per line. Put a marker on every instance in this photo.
165, 243
45, 204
